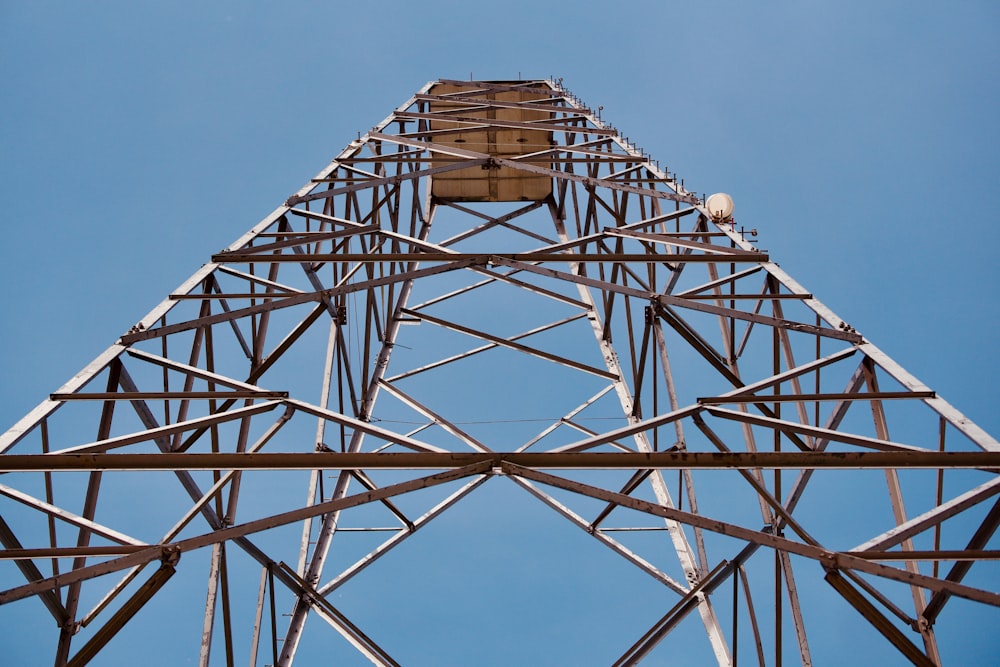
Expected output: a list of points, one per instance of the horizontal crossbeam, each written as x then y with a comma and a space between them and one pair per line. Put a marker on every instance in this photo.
722, 257
550, 460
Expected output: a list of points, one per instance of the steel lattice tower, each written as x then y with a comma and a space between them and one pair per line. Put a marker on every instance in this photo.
494, 292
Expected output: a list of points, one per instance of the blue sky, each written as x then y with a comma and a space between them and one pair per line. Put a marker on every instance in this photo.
859, 139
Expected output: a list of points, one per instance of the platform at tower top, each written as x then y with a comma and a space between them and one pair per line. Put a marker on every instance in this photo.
460, 105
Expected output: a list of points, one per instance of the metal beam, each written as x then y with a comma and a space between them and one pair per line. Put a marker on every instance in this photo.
242, 257
573, 458
877, 619
125, 613
156, 552
828, 558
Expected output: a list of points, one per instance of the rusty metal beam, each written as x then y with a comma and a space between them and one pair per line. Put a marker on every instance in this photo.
437, 460
167, 395
682, 608
341, 623
510, 344
790, 427
482, 258
179, 427
69, 552
780, 398
125, 613
31, 572
877, 619
828, 558
965, 558
160, 552
286, 302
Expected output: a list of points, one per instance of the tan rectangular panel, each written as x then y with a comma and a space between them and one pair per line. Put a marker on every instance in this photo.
490, 183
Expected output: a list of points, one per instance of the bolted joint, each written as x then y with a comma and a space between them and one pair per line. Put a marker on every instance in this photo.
170, 555
829, 561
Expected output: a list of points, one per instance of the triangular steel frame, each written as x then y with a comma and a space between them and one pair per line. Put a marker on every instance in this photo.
362, 328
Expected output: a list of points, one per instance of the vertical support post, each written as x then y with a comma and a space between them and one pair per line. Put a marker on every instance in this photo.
753, 616
778, 602
258, 617
210, 602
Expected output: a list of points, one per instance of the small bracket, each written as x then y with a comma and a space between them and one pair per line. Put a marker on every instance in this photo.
752, 232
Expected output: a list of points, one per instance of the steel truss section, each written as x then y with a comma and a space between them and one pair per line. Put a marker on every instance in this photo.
494, 292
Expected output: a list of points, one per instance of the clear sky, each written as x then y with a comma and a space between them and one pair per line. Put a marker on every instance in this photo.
860, 139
